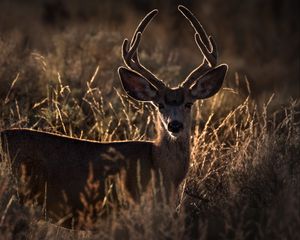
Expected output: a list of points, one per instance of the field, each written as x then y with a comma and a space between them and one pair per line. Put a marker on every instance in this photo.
59, 75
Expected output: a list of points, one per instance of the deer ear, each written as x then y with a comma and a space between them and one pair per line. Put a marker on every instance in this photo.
210, 83
136, 86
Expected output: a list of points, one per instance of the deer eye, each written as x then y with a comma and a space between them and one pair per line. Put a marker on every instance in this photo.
188, 105
160, 106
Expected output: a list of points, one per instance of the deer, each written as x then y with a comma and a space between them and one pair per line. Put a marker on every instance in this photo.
60, 164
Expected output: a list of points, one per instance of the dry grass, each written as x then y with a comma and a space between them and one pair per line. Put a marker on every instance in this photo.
244, 178
243, 181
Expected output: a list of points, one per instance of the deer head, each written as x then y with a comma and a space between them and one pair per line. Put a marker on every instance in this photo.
173, 104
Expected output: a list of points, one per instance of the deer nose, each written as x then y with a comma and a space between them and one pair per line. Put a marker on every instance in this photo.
175, 126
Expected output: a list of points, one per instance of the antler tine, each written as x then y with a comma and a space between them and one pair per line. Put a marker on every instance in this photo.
205, 43
144, 23
195, 24
130, 51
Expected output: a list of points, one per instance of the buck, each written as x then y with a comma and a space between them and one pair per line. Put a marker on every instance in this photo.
61, 163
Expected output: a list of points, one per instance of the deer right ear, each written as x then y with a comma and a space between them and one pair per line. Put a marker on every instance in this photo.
136, 86
210, 83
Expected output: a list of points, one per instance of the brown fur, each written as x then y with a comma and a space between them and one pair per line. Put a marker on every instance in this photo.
62, 163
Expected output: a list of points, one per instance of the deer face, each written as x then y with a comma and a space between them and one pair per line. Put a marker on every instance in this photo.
173, 105
174, 108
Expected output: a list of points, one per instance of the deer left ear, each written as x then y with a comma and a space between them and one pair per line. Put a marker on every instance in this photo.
209, 84
136, 86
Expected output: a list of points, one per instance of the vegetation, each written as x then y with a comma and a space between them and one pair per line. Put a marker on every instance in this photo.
244, 178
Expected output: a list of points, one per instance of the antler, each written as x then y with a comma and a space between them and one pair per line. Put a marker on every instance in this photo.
130, 52
205, 43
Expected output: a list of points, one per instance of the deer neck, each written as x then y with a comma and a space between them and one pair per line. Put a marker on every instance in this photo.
172, 155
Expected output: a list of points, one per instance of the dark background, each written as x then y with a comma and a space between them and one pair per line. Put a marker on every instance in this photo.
258, 39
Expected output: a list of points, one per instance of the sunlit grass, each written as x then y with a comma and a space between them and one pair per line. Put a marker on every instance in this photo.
243, 181
244, 165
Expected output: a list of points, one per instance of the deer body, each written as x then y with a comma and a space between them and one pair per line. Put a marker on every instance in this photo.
63, 162
58, 166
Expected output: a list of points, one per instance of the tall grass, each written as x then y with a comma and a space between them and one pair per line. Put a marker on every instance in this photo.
244, 177
243, 181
